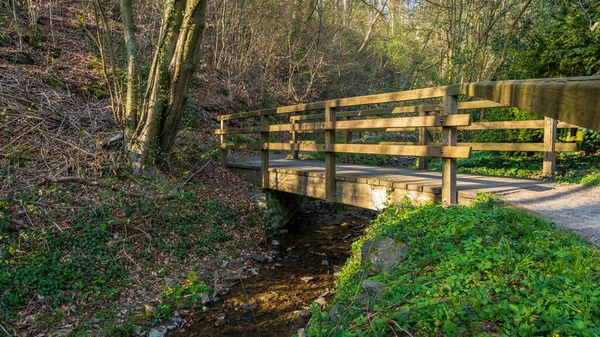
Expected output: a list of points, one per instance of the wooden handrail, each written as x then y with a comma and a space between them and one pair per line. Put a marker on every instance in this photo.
400, 96
406, 122
402, 110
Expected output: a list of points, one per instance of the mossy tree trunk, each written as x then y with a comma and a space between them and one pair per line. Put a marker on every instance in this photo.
151, 119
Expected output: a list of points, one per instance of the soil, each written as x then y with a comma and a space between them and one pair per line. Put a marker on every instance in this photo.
275, 302
575, 207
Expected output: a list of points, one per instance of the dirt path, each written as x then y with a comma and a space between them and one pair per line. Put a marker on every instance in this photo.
575, 207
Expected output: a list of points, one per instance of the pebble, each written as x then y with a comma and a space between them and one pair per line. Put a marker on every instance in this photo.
177, 321
259, 258
334, 313
149, 309
205, 299
158, 332
221, 320
321, 301
307, 279
325, 263
372, 286
274, 243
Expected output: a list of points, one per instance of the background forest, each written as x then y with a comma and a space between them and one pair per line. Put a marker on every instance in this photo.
86, 244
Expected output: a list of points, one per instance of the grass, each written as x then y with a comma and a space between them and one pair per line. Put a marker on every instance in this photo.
484, 270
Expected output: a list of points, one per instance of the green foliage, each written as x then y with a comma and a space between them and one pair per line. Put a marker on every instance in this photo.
85, 261
163, 311
504, 136
63, 262
125, 330
504, 164
188, 293
571, 166
54, 82
480, 270
591, 180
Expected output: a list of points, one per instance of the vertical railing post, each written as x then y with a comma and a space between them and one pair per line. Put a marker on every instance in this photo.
449, 138
330, 156
549, 147
423, 136
223, 148
346, 139
294, 140
264, 152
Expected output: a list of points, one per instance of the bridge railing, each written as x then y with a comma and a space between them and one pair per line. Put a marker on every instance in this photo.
549, 126
442, 117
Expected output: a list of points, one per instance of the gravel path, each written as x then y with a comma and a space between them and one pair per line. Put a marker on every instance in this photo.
575, 207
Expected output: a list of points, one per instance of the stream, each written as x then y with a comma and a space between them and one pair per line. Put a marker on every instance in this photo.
302, 268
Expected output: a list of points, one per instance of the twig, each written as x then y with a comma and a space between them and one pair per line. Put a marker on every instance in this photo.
3, 329
362, 276
18, 223
400, 328
251, 309
108, 142
193, 174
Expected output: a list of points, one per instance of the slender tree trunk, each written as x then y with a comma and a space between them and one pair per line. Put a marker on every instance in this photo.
154, 121
132, 102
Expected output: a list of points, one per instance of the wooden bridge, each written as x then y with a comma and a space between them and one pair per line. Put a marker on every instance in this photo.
428, 112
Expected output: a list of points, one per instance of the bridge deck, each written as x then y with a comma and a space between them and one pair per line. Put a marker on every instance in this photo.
416, 183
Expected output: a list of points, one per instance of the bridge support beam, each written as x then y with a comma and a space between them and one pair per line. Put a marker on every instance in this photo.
295, 153
423, 137
330, 157
264, 154
223, 148
549, 165
449, 138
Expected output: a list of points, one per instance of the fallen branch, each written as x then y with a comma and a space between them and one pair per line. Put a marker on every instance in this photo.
192, 175
110, 141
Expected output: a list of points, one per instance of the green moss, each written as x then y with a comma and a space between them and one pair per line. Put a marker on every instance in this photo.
54, 82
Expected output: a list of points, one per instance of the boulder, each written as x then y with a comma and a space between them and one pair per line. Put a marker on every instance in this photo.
382, 255
372, 288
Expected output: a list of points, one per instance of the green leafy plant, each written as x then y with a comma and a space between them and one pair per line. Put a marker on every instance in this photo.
591, 180
470, 271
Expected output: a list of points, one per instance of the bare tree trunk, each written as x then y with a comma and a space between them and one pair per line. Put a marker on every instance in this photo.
132, 103
154, 123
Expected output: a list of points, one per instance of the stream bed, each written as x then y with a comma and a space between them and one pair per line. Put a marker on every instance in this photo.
300, 267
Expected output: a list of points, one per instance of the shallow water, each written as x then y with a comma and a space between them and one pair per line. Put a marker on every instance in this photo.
273, 303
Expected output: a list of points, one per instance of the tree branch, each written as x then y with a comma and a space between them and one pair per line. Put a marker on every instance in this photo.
508, 37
